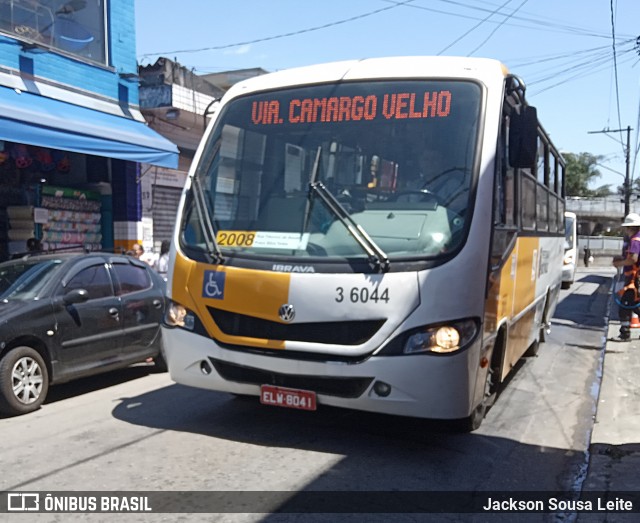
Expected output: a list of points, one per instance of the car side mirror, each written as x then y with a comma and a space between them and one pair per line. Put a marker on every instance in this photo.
75, 296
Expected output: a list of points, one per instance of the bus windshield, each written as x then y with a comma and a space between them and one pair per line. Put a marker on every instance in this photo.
294, 172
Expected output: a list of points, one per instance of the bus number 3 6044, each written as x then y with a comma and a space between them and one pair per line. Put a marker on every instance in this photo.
361, 295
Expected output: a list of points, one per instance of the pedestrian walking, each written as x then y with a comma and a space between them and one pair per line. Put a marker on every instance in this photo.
163, 261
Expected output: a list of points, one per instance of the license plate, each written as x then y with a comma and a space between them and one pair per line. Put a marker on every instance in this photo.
290, 398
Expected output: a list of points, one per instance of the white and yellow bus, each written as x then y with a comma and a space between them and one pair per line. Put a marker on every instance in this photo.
383, 235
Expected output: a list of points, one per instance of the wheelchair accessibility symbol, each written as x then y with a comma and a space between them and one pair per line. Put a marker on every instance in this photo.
213, 285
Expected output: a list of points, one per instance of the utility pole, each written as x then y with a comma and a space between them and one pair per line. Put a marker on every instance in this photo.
627, 178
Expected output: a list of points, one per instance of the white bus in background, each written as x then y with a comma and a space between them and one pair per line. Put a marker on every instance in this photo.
570, 249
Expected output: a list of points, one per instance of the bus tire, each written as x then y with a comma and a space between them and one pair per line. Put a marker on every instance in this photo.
24, 381
533, 349
160, 363
545, 328
474, 420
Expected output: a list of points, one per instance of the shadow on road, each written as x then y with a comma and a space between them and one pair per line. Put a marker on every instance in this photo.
102, 381
585, 310
389, 452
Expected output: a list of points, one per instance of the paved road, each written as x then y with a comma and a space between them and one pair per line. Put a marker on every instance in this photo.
137, 431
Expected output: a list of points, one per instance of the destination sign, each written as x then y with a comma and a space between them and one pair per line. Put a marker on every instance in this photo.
392, 106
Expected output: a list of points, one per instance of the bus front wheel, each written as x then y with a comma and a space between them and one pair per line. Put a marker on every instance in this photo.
474, 420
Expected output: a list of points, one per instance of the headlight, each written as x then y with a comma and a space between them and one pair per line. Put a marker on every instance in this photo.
445, 338
178, 316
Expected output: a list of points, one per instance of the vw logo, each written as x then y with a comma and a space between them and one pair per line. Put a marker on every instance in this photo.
287, 312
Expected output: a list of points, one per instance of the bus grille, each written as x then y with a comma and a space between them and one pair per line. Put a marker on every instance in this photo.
339, 387
333, 332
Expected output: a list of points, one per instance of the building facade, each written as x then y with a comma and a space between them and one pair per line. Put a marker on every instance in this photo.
73, 141
177, 104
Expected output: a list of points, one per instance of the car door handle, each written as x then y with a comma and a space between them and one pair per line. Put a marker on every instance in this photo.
157, 304
113, 312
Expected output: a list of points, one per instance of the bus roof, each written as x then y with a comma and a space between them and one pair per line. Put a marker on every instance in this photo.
486, 70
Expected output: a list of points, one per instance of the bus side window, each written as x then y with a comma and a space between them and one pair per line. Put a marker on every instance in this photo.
504, 204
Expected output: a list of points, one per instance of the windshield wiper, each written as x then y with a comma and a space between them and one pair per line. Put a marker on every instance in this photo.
204, 217
376, 255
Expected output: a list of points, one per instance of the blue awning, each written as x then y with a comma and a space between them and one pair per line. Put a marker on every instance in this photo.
35, 120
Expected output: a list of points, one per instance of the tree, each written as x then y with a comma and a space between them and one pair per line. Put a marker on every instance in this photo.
581, 172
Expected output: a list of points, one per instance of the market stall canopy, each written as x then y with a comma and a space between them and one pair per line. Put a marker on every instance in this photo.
35, 120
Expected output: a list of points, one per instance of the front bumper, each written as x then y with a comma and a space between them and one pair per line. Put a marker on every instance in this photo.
424, 386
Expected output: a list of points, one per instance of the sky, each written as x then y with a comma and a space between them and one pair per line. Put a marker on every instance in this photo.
580, 59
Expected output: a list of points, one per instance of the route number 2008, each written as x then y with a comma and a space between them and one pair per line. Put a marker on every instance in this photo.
362, 295
235, 238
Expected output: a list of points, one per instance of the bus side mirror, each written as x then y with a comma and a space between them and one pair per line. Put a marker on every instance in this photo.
523, 138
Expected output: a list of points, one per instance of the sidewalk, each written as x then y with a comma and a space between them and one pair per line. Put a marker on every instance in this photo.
614, 461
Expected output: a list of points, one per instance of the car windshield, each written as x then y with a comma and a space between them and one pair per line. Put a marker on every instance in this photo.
24, 280
295, 172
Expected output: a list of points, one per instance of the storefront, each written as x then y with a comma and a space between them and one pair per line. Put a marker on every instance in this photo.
70, 175
161, 192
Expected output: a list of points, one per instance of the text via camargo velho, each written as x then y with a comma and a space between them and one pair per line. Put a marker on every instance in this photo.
599, 504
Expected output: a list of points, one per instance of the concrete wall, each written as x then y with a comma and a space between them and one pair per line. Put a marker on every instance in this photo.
603, 249
609, 206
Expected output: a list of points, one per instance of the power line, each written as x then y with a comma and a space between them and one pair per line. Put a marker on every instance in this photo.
571, 55
568, 67
543, 24
473, 28
546, 23
586, 68
498, 27
284, 35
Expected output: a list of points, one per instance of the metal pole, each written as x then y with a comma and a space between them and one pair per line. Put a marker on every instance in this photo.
627, 178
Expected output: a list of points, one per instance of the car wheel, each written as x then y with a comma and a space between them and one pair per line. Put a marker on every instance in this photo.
24, 381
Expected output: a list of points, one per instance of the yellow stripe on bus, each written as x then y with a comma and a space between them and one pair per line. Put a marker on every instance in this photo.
258, 294
528, 251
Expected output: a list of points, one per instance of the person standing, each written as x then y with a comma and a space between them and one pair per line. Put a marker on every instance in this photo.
34, 245
628, 297
138, 250
163, 261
